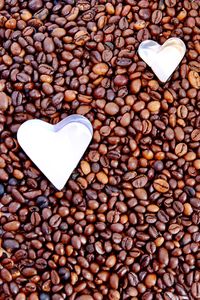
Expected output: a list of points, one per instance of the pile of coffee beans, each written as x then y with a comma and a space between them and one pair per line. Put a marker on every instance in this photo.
126, 225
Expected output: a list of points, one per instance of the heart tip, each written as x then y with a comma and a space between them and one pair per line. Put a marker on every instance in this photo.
58, 187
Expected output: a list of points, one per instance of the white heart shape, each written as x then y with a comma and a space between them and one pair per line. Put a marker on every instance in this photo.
163, 59
56, 149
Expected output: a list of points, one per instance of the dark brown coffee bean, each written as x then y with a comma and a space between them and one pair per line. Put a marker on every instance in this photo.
140, 181
168, 279
23, 77
49, 46
170, 3
163, 256
29, 272
45, 69
35, 5
55, 221
195, 290
76, 242
35, 218
133, 279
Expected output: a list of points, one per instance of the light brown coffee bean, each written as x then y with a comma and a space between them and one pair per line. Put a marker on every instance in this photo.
4, 101
194, 79
195, 135
181, 149
161, 185
100, 69
111, 108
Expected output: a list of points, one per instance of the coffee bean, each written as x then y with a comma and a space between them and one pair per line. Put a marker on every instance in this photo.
135, 86
35, 4
174, 228
76, 242
85, 297
44, 296
2, 189
156, 16
139, 181
114, 281
58, 32
161, 185
11, 226
4, 101
28, 272
181, 149
195, 135
5, 275
133, 279
42, 201
100, 69
150, 280
182, 111
163, 256
153, 106
170, 3
168, 279
195, 290
35, 218
45, 69
55, 220
70, 95
194, 79
23, 77
49, 46
2, 3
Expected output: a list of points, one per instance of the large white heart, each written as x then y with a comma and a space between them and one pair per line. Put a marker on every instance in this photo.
56, 149
163, 59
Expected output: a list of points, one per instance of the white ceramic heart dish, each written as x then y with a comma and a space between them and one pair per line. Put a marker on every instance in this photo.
56, 149
163, 59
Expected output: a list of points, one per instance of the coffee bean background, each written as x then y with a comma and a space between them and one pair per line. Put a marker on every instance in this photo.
126, 226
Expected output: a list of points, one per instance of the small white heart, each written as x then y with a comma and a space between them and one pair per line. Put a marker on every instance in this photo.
56, 149
163, 59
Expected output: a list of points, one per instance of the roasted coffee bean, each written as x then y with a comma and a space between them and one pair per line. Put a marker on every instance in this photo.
2, 189
168, 279
4, 101
140, 181
42, 202
163, 256
194, 79
161, 185
195, 290
195, 135
150, 280
35, 218
181, 149
156, 16
44, 296
55, 220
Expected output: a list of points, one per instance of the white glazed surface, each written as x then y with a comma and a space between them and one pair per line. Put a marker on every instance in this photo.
163, 59
56, 149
